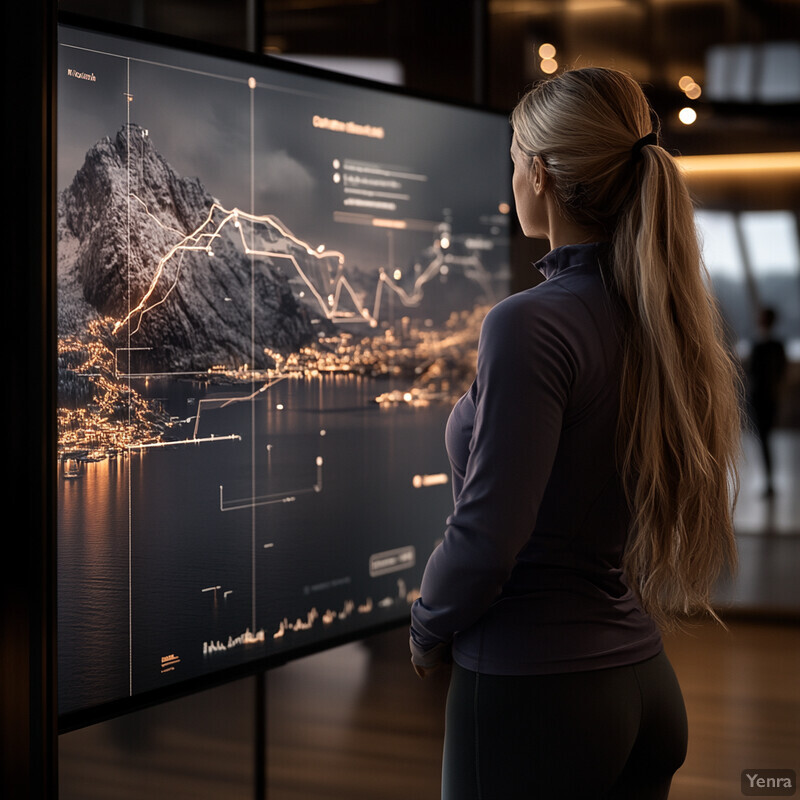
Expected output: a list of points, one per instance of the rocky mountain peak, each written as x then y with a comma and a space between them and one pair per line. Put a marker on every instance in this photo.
136, 244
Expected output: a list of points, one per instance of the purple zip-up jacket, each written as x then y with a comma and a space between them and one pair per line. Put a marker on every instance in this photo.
528, 578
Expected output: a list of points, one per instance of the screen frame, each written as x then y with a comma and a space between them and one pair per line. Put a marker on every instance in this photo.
75, 720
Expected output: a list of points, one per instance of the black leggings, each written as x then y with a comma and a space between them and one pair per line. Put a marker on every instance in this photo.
617, 734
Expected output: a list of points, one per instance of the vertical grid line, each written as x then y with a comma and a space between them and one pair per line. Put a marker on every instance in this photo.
252, 359
130, 472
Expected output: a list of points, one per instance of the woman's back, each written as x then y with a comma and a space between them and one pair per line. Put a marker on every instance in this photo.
568, 569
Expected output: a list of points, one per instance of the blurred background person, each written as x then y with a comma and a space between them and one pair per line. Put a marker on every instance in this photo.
765, 372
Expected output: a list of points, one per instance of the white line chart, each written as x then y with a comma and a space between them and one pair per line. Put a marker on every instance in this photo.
257, 500
233, 437
330, 304
224, 402
202, 239
269, 499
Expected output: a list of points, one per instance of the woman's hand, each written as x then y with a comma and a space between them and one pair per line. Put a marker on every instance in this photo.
430, 660
421, 671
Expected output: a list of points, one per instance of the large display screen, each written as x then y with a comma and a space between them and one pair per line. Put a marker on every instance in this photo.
270, 289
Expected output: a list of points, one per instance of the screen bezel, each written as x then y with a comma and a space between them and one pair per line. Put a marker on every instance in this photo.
74, 720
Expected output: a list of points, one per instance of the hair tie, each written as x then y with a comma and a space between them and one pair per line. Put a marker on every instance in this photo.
636, 150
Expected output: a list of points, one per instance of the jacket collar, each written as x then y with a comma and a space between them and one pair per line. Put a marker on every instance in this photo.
571, 255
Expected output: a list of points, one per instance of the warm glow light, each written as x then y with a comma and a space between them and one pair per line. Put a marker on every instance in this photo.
687, 115
592, 6
397, 274
400, 224
547, 50
251, 82
504, 208
741, 162
438, 479
693, 91
685, 82
520, 7
548, 66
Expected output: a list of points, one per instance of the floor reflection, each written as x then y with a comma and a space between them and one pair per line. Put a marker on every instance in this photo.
767, 532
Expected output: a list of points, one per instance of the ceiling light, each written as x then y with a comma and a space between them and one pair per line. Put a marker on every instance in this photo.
693, 91
548, 66
547, 50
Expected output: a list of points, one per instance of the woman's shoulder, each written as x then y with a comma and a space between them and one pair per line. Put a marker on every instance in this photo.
570, 315
564, 300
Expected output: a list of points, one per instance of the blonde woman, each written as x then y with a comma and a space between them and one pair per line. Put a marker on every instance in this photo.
593, 468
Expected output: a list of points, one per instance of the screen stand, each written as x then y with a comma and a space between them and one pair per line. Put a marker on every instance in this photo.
260, 737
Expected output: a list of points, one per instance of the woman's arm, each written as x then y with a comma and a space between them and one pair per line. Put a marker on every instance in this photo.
525, 370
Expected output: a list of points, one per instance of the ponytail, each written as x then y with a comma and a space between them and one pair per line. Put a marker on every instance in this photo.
679, 429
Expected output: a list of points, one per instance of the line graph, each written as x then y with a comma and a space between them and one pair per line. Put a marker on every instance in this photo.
269, 499
338, 301
224, 402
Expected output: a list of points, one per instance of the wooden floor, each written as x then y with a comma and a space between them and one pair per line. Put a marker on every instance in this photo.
356, 723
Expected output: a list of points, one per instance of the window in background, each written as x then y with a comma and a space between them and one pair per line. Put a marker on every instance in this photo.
723, 259
753, 260
768, 73
773, 254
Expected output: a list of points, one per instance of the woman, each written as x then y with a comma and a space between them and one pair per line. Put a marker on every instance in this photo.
593, 466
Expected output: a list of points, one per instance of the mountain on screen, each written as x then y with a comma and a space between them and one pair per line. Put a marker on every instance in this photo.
165, 266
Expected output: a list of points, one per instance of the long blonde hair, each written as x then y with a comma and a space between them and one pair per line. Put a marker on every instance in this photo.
680, 419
